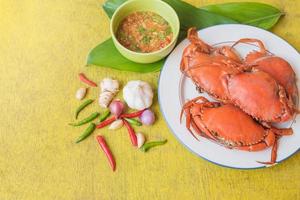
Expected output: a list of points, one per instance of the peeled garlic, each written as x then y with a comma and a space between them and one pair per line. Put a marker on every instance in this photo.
140, 139
116, 124
138, 94
80, 93
109, 88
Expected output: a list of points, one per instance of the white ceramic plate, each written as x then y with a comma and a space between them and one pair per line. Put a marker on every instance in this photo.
174, 89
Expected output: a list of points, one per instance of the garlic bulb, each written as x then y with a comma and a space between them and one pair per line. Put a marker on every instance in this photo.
80, 93
109, 88
138, 94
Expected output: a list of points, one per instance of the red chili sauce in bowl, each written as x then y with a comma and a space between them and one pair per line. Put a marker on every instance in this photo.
144, 32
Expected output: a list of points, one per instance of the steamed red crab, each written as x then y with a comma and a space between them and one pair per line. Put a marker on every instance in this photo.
200, 53
275, 66
220, 73
261, 85
230, 126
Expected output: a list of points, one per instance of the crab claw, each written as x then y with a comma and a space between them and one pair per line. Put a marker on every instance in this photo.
229, 52
194, 39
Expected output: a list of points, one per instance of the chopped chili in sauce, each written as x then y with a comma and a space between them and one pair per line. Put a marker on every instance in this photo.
144, 32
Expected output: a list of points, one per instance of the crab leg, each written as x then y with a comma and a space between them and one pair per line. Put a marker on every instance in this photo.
190, 103
273, 154
229, 53
278, 132
282, 132
252, 40
191, 122
193, 37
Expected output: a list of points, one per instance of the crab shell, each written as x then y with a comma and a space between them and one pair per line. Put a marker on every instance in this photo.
254, 91
201, 60
230, 126
276, 66
212, 78
259, 95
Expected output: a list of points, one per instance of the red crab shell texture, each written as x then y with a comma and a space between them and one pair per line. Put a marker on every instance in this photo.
277, 67
265, 98
229, 126
280, 70
229, 80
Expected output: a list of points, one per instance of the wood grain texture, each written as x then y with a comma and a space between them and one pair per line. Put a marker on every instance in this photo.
44, 45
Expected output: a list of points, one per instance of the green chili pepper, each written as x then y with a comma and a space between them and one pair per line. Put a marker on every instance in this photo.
104, 115
134, 122
86, 120
149, 145
82, 106
90, 129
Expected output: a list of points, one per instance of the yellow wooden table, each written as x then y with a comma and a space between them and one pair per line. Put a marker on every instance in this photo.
43, 46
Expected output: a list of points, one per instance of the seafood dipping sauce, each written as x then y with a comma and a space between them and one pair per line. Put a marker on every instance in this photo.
144, 32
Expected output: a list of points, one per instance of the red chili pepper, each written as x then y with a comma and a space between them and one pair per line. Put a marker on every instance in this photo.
106, 122
131, 133
132, 115
84, 79
107, 152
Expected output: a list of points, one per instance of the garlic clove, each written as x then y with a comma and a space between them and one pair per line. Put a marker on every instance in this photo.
80, 93
140, 139
116, 124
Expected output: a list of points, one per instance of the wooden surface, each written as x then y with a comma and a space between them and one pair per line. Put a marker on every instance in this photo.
43, 46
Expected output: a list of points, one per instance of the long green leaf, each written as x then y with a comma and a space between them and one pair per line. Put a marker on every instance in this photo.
190, 16
105, 54
251, 13
256, 14
111, 6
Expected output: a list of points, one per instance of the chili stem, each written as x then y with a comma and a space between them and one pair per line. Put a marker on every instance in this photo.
107, 151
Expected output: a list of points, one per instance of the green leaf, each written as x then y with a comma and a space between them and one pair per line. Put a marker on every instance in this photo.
190, 16
255, 14
111, 5
105, 54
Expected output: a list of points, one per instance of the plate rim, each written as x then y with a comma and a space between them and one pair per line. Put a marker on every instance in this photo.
191, 150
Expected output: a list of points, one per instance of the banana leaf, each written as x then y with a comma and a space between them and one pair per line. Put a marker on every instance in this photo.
257, 14
111, 5
251, 13
106, 54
